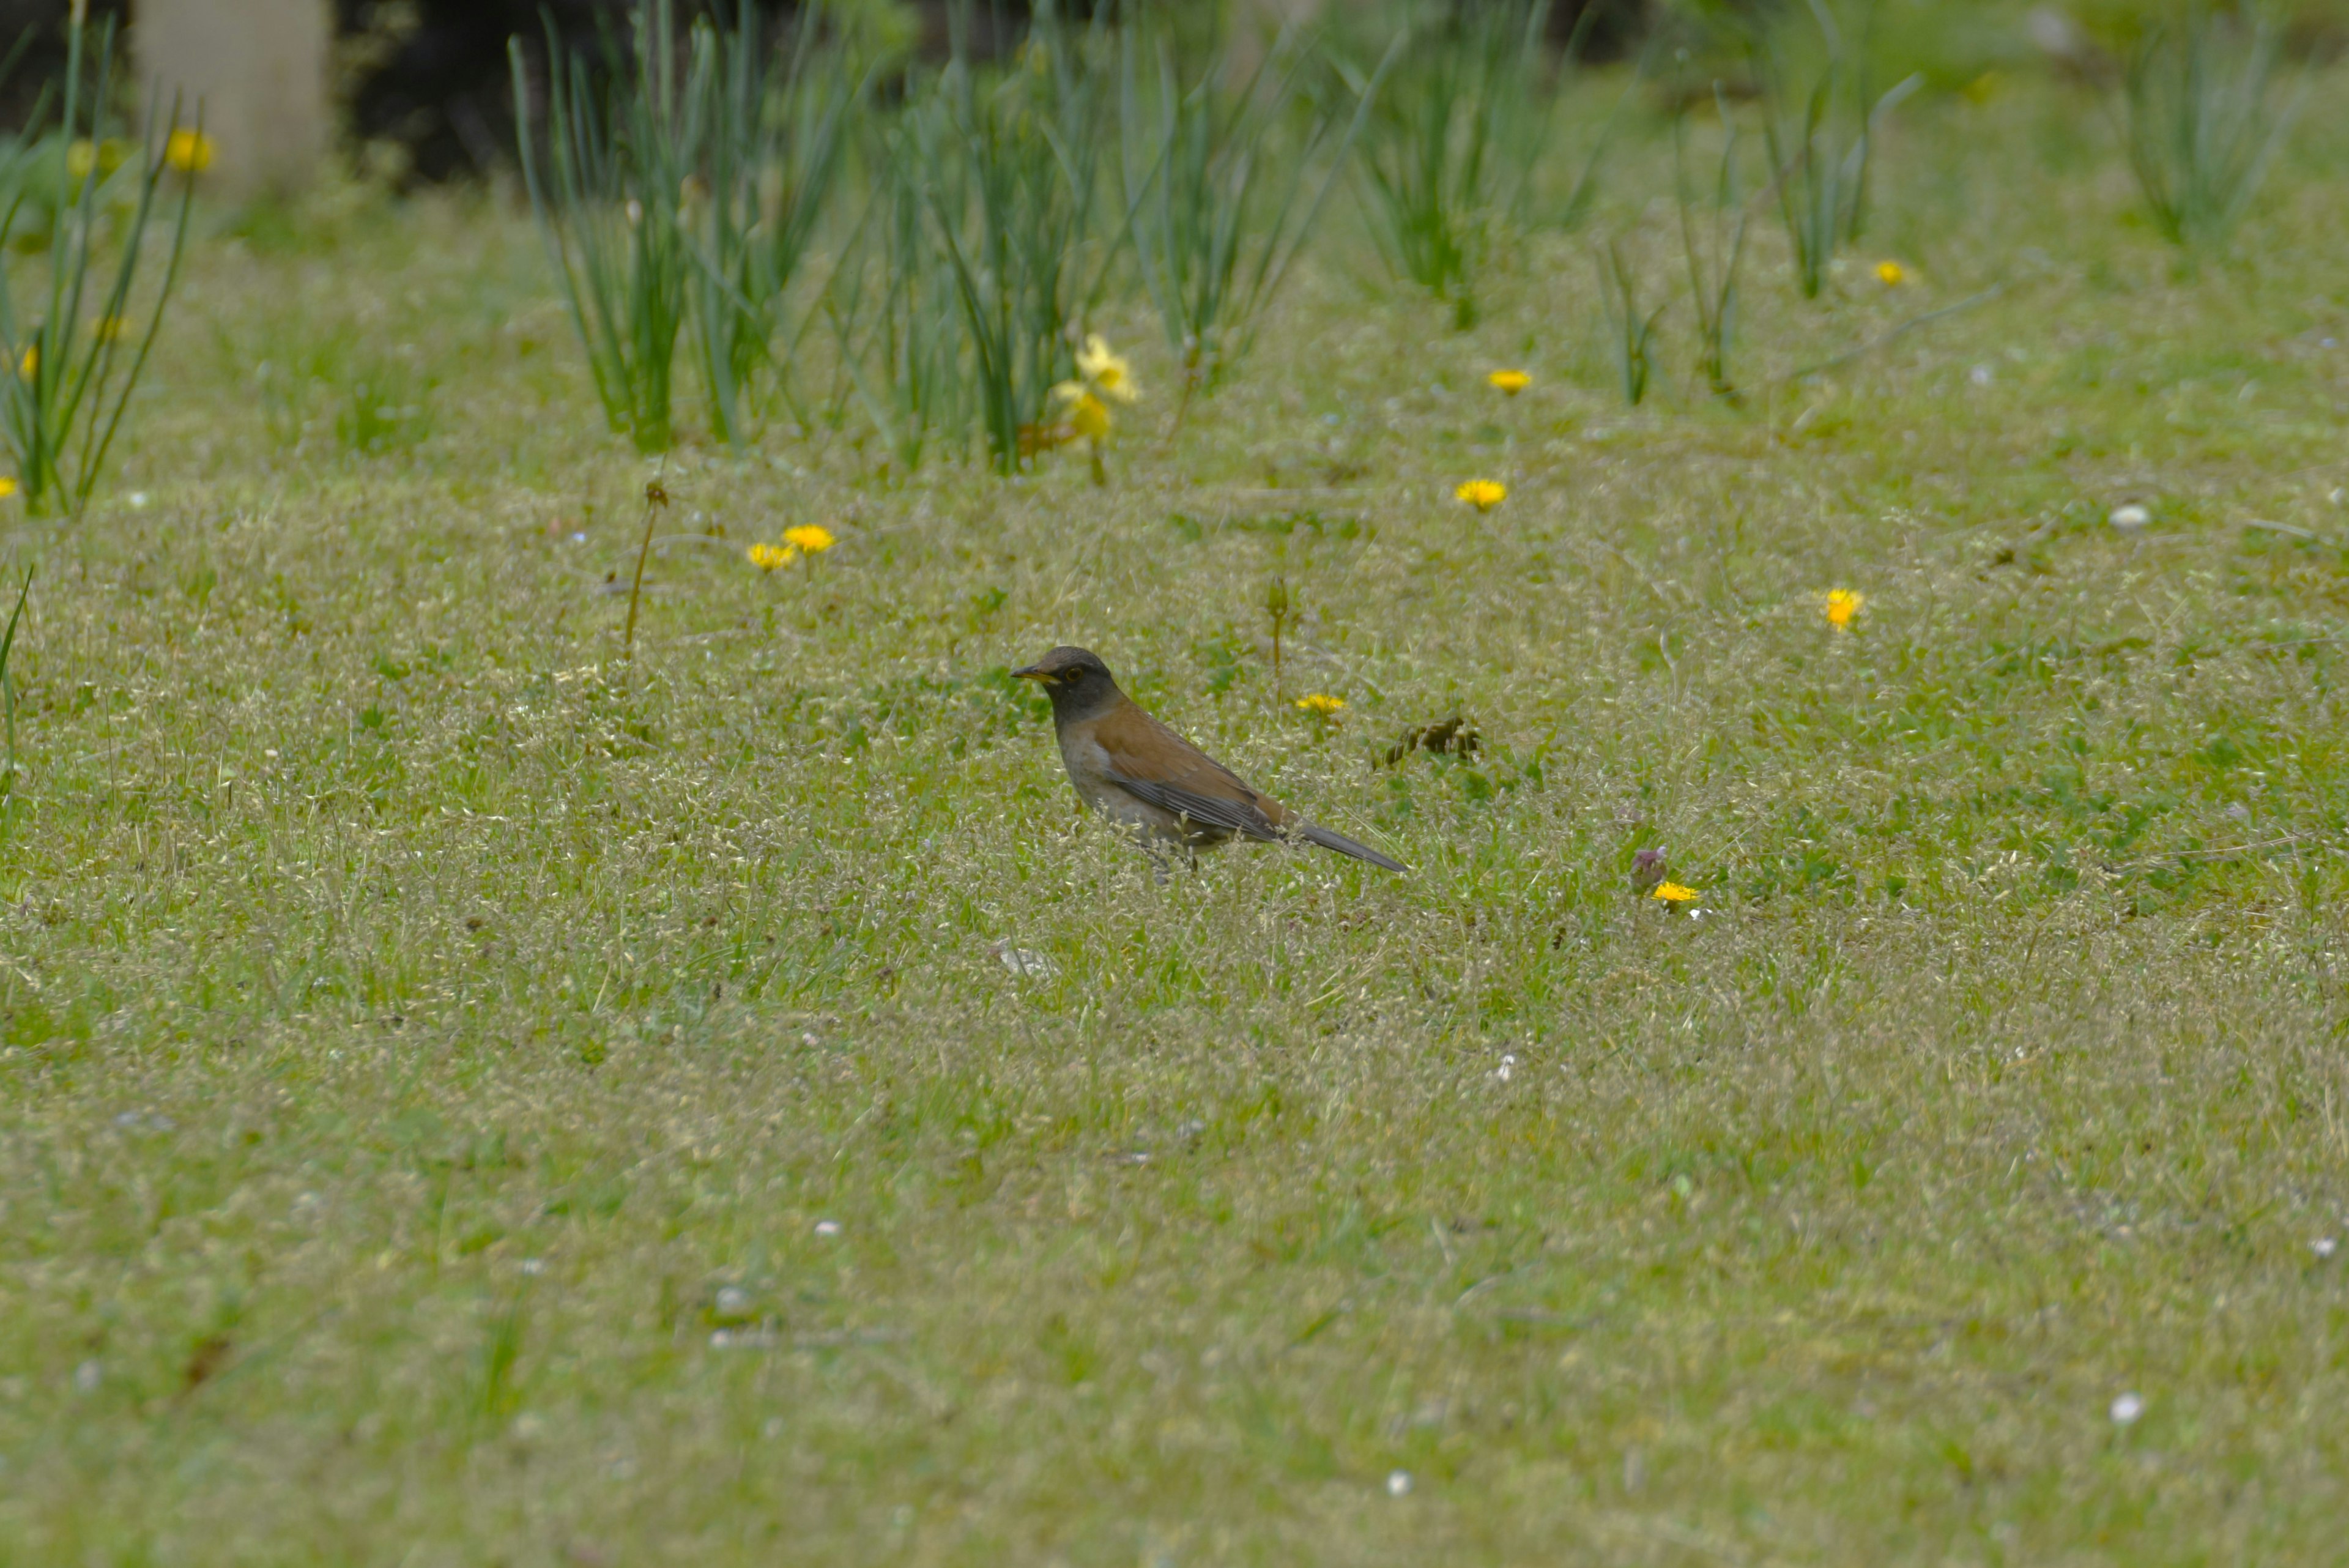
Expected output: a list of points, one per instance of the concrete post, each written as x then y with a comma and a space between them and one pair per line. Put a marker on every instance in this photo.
260, 69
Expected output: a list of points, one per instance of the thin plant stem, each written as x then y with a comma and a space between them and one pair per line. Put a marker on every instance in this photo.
655, 497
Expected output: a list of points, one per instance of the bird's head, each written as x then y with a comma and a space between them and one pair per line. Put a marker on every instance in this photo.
1076, 681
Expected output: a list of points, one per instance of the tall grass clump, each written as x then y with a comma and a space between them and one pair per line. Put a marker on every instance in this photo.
895, 306
779, 123
2203, 118
1219, 201
1715, 246
1009, 163
1630, 333
8, 688
624, 145
1456, 132
71, 350
1821, 130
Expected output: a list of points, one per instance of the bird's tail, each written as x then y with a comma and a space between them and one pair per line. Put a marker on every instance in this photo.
1344, 845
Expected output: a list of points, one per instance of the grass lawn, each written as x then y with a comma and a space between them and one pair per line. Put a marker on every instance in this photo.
468, 1099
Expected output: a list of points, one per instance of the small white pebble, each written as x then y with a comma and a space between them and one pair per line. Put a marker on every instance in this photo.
2126, 1410
1398, 1483
86, 1377
2131, 517
827, 1227
2323, 1246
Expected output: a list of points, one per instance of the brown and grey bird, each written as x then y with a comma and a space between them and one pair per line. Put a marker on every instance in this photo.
1134, 770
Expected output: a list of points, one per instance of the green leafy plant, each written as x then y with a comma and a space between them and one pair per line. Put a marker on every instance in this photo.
1219, 208
1714, 253
8, 683
895, 311
1821, 131
2203, 118
68, 372
1451, 146
623, 146
779, 122
1631, 335
1009, 169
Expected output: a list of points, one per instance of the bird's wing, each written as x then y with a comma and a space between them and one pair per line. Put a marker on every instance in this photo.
1153, 763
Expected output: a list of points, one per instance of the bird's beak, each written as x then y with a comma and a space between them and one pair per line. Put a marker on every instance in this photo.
1033, 673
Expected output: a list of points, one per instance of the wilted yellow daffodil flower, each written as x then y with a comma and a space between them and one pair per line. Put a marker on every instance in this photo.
1512, 382
1484, 494
1321, 705
811, 538
1088, 415
1842, 604
1110, 375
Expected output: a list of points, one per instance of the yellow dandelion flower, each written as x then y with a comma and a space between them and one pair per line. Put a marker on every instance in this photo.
811, 537
1484, 494
1511, 382
1110, 375
8, 487
1842, 605
107, 329
189, 151
1892, 274
1321, 705
1674, 893
767, 557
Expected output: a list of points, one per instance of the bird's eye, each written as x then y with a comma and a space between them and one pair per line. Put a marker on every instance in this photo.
1071, 676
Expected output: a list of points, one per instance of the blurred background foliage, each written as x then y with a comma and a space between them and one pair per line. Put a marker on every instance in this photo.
426, 86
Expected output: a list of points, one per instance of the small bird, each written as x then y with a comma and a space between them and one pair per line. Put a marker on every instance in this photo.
1134, 770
